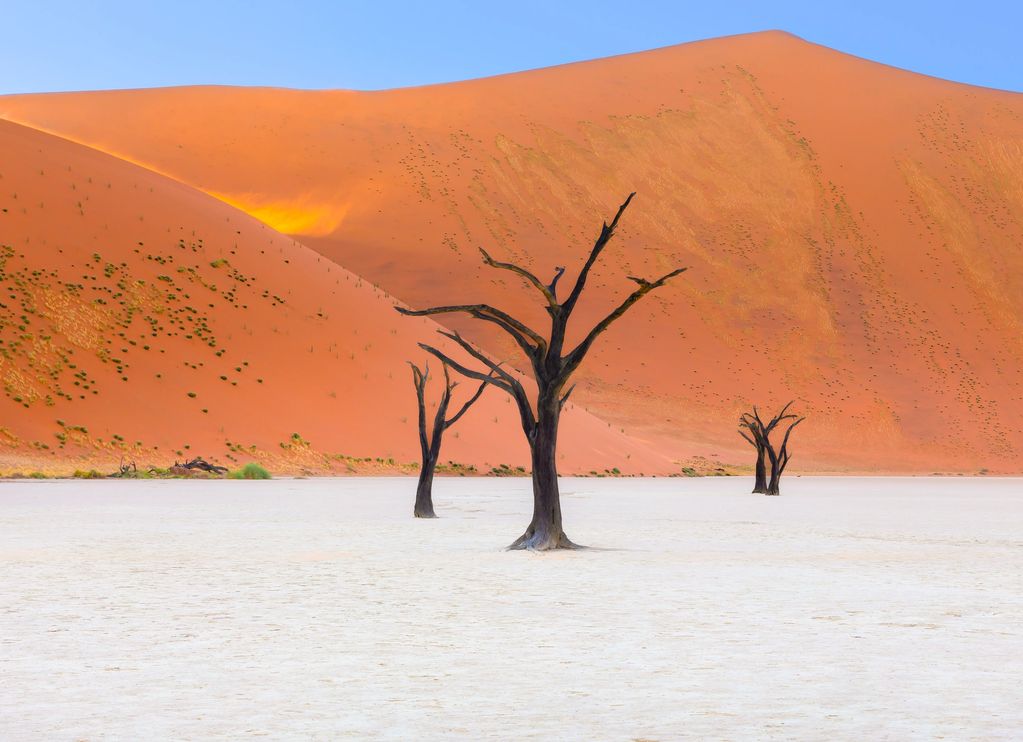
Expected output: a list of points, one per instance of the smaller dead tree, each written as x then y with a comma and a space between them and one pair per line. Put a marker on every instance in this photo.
758, 434
429, 443
128, 469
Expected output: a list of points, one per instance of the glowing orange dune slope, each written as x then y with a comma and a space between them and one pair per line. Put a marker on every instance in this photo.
853, 231
141, 317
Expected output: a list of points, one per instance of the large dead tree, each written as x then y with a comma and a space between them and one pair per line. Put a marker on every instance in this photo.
551, 364
429, 442
758, 434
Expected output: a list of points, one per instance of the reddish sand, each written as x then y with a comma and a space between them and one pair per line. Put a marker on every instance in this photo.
125, 293
853, 231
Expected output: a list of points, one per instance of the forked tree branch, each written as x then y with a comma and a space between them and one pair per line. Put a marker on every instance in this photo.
553, 285
466, 406
420, 377
515, 390
755, 428
495, 368
779, 417
784, 451
574, 358
520, 332
518, 392
464, 370
529, 276
606, 233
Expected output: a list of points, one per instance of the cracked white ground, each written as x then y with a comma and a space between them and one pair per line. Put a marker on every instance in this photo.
845, 609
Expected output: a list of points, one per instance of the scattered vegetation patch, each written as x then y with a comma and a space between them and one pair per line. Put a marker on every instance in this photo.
87, 474
503, 470
251, 470
456, 468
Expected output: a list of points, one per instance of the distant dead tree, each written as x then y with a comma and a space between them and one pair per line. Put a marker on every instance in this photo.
200, 464
429, 442
758, 434
126, 469
551, 367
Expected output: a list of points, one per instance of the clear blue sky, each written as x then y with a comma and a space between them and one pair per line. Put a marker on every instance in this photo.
82, 45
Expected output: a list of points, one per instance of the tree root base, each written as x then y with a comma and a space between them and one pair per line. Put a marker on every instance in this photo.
425, 515
532, 541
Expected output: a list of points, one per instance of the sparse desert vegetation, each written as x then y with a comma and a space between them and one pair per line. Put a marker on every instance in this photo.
251, 470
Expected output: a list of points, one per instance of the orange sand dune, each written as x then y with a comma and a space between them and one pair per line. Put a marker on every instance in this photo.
141, 317
853, 231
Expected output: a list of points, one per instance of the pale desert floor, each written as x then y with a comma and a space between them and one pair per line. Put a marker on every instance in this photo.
855, 609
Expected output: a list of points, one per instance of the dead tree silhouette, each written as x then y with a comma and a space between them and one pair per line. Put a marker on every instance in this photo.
551, 367
758, 434
430, 441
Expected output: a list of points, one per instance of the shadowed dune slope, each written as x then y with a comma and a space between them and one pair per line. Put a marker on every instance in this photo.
142, 317
854, 231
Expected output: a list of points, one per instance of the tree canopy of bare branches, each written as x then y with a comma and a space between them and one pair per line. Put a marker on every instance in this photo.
758, 434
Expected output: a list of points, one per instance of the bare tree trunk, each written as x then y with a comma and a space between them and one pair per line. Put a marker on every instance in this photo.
424, 492
431, 454
773, 487
545, 530
760, 485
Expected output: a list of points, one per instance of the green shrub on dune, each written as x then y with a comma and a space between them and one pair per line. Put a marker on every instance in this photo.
250, 471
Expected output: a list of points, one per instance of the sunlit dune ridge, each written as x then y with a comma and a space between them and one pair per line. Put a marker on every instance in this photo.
301, 217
